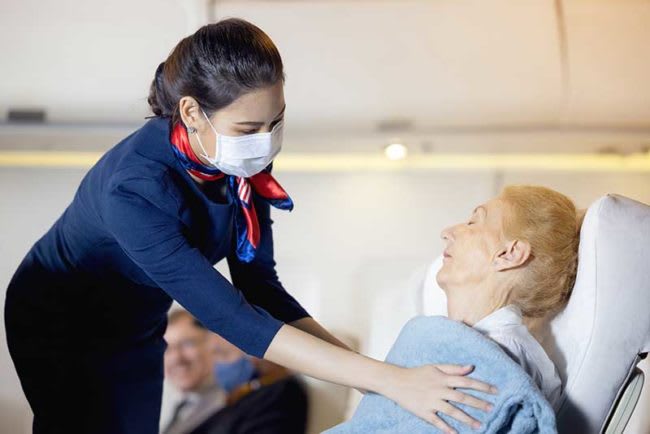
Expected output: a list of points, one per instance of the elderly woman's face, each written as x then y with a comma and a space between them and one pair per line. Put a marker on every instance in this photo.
472, 246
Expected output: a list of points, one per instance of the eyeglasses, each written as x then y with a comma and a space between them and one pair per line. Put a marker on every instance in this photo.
187, 344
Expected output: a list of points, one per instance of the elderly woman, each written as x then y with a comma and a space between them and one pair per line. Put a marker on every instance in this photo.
513, 262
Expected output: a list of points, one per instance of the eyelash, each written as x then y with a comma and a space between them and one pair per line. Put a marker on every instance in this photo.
253, 131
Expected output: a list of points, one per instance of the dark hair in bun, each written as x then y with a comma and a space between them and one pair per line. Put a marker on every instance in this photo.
215, 66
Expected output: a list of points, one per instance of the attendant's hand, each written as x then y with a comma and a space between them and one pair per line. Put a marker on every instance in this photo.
423, 391
428, 390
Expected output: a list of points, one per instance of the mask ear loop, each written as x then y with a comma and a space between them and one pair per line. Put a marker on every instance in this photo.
276, 137
216, 142
192, 130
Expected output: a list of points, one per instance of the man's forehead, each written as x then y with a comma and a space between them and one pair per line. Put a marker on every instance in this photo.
185, 326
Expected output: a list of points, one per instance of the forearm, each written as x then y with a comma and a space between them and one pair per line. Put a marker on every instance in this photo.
311, 326
310, 355
424, 390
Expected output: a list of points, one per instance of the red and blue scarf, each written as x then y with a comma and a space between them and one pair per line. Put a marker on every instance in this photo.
241, 190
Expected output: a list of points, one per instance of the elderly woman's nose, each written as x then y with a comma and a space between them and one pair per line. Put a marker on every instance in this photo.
446, 233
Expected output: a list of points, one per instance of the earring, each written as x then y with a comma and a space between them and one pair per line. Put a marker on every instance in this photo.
191, 130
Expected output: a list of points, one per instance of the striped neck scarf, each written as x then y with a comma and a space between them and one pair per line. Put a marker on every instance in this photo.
241, 190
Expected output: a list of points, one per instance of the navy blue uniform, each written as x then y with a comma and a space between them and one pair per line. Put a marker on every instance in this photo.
85, 312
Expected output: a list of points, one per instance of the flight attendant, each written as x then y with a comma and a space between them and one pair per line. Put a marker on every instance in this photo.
86, 310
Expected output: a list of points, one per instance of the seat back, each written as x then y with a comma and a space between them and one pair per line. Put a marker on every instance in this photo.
596, 340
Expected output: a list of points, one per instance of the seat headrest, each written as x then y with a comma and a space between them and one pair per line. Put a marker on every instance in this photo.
594, 341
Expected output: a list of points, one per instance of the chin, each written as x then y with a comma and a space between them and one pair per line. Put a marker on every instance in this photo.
187, 385
440, 279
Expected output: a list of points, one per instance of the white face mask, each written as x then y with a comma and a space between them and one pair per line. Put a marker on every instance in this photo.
244, 156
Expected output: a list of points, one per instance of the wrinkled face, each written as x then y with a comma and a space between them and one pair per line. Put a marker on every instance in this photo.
472, 246
188, 359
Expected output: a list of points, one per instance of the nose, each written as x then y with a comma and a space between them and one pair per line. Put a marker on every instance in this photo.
267, 128
173, 354
447, 233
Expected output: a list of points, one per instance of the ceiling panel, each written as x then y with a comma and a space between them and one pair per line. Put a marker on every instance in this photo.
609, 58
447, 62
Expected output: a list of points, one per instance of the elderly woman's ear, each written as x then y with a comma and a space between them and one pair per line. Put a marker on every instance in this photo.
513, 255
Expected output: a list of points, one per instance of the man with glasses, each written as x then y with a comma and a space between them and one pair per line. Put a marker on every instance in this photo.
224, 390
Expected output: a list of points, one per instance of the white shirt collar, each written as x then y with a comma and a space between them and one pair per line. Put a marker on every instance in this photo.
207, 389
506, 316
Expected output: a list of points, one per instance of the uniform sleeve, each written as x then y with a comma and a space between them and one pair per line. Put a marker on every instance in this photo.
136, 212
259, 279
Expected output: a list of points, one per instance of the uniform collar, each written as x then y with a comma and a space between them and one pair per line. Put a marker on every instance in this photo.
507, 316
153, 142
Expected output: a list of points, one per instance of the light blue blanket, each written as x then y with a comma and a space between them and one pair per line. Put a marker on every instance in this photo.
519, 407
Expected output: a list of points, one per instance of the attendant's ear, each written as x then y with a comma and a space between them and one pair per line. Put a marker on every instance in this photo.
190, 112
513, 255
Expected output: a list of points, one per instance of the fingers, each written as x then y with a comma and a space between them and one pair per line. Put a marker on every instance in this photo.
470, 383
463, 398
458, 378
436, 421
455, 369
459, 415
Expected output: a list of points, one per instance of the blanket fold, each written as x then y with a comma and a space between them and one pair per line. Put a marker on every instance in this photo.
519, 407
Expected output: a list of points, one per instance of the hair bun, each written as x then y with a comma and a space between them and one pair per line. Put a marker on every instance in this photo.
155, 92
215, 66
159, 71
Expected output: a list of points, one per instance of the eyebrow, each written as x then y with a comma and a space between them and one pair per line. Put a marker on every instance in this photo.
257, 124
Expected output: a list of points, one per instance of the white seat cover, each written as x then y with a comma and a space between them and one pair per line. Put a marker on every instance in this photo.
595, 339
